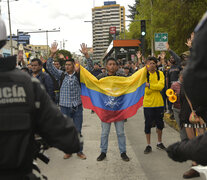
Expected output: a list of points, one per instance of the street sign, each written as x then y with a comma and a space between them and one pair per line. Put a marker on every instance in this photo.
112, 30
161, 40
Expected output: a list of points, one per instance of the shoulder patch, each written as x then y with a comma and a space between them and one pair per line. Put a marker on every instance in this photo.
201, 23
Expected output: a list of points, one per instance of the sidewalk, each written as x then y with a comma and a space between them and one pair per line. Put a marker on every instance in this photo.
113, 168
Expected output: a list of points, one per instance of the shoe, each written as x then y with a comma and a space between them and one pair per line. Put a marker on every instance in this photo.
190, 174
67, 156
148, 149
124, 157
161, 146
81, 155
101, 157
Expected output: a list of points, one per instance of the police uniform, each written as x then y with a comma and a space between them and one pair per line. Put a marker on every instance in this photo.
195, 84
25, 109
195, 76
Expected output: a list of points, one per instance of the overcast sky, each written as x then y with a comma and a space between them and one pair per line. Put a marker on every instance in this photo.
68, 15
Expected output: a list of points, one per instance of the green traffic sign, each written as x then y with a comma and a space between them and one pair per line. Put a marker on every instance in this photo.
161, 37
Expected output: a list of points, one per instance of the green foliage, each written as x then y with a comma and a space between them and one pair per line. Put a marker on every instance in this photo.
178, 18
65, 53
133, 11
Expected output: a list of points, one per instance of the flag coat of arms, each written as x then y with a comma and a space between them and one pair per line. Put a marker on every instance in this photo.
113, 98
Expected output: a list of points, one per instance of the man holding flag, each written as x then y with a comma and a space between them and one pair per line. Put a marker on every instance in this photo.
113, 99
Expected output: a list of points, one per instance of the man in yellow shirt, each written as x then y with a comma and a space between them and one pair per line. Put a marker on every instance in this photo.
153, 103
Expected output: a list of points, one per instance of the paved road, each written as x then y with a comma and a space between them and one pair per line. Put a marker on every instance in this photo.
154, 166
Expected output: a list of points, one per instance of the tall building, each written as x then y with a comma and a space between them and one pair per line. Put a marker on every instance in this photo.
104, 17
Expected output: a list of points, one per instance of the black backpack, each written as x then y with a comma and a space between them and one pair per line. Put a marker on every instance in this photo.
158, 75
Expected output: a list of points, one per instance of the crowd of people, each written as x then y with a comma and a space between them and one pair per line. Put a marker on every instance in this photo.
63, 86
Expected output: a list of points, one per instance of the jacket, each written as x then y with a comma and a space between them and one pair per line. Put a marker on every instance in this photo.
152, 96
26, 109
195, 76
194, 149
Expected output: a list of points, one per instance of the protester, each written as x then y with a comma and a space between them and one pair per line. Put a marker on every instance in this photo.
126, 71
43, 77
96, 71
162, 66
112, 70
27, 110
70, 91
57, 64
176, 86
153, 103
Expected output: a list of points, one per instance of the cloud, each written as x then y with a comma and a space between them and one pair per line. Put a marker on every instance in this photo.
48, 14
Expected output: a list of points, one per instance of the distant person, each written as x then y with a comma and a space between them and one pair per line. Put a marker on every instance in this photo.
43, 77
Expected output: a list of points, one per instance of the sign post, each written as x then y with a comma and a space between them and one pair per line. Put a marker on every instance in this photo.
112, 31
161, 40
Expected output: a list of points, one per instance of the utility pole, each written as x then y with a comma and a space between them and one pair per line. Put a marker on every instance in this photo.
11, 45
45, 31
152, 41
64, 43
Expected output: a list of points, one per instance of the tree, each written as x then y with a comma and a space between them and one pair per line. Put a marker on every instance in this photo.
176, 17
66, 54
133, 10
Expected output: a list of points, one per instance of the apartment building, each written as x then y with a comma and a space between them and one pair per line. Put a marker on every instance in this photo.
104, 17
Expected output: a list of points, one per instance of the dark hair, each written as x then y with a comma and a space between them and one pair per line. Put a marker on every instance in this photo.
25, 69
70, 60
38, 60
152, 58
111, 59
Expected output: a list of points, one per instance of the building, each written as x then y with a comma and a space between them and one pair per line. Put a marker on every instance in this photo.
122, 49
6, 50
104, 17
42, 50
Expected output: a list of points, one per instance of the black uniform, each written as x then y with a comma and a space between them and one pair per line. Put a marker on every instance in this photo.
195, 84
25, 109
195, 77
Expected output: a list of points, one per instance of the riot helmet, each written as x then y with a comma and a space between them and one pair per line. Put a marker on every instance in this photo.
3, 35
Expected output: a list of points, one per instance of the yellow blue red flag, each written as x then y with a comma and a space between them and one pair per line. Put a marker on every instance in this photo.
113, 98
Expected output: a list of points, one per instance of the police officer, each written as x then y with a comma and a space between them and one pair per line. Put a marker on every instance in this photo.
25, 109
195, 84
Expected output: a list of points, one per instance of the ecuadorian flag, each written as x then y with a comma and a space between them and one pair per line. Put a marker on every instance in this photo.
113, 98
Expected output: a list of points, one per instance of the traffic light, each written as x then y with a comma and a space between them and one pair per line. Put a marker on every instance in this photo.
143, 27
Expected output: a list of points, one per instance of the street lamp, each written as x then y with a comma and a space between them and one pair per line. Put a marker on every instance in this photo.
10, 25
43, 31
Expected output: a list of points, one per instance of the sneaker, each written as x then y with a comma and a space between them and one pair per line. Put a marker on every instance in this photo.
148, 149
67, 156
190, 174
161, 146
81, 155
101, 157
124, 157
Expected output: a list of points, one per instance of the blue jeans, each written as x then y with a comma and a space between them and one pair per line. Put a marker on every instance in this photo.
76, 113
120, 135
